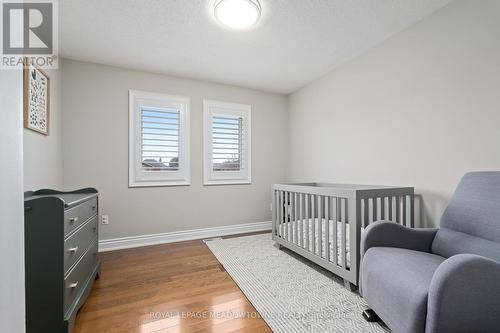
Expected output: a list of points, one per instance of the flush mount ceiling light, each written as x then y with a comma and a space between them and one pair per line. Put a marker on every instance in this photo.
237, 14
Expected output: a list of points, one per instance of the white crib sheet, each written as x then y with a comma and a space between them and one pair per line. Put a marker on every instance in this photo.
307, 232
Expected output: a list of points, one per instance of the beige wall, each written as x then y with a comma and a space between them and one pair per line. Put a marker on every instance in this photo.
95, 147
421, 109
12, 317
43, 158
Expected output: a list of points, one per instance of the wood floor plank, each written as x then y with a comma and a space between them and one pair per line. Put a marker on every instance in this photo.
170, 288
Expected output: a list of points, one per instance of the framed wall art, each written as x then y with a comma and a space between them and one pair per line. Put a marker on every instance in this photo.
36, 94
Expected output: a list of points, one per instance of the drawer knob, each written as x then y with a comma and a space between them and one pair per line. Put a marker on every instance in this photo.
73, 220
73, 285
73, 249
94, 207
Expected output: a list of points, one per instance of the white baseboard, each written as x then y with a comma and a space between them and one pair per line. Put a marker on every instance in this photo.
178, 236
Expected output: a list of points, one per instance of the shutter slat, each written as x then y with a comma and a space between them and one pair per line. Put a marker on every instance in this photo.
176, 129
157, 145
229, 139
159, 112
150, 122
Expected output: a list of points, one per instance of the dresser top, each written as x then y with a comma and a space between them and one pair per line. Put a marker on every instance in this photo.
70, 199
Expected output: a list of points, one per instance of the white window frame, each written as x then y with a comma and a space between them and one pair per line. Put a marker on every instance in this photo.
139, 177
211, 177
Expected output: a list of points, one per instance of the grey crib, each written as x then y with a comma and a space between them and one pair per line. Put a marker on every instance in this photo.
323, 222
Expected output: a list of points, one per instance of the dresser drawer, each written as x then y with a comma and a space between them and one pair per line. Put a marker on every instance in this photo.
77, 215
79, 275
78, 242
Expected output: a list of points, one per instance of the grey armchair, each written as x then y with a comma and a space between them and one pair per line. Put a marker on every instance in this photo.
439, 280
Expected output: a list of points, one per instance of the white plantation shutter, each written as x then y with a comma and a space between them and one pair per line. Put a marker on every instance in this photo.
159, 139
227, 143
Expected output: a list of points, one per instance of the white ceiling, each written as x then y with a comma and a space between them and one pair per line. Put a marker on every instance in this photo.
295, 42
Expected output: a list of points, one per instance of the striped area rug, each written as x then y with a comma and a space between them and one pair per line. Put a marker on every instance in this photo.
290, 293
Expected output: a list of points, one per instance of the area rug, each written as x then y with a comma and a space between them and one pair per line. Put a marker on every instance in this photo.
290, 293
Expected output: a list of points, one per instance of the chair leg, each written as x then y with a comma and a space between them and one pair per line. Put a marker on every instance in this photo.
370, 316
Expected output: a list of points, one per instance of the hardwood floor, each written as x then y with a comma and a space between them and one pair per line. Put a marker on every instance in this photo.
178, 287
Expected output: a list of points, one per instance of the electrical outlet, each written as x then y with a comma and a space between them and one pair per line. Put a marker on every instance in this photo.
105, 219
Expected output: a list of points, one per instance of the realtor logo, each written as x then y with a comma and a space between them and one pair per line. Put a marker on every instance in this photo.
29, 32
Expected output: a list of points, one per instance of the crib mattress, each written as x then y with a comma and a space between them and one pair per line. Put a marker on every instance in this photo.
305, 227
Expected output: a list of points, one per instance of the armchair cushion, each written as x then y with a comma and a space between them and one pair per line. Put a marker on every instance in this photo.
396, 283
390, 234
449, 242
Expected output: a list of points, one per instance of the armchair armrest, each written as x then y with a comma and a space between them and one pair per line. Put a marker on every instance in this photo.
464, 296
391, 234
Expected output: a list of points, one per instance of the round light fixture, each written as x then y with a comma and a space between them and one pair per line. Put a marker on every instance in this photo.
237, 14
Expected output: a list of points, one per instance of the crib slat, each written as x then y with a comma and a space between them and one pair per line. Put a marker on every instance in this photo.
306, 221
280, 213
295, 218
301, 224
343, 234
287, 217
275, 211
339, 209
327, 228
344, 209
398, 209
404, 218
319, 199
346, 228
334, 217
313, 232
382, 208
338, 256
375, 213
290, 218
412, 211
283, 221
366, 212
293, 214
285, 226
361, 215
306, 226
279, 207
286, 213
390, 199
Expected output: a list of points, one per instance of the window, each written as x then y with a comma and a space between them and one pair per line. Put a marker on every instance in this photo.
158, 139
227, 138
